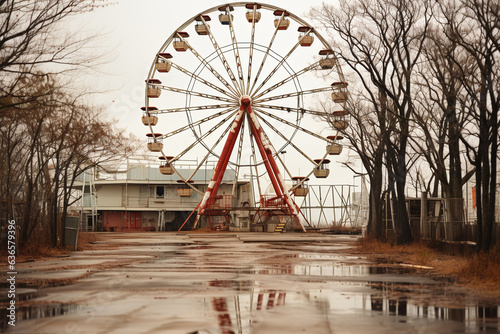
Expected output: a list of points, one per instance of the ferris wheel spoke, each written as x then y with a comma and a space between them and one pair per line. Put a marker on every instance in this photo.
286, 80
250, 54
236, 53
238, 157
286, 139
294, 94
271, 144
203, 81
282, 61
191, 125
206, 134
197, 108
190, 92
259, 188
221, 56
266, 53
290, 124
295, 110
208, 66
209, 152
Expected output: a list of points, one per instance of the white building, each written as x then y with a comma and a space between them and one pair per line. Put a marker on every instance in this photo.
140, 198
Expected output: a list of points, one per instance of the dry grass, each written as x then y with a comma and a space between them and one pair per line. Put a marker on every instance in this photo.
85, 240
416, 253
480, 271
483, 269
341, 227
38, 248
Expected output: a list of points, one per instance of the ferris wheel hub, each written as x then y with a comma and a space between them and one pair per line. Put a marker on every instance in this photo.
245, 100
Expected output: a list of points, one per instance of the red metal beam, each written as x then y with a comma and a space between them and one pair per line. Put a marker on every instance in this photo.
221, 166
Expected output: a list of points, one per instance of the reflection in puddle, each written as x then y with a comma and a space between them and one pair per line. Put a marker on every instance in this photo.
244, 312
250, 307
38, 311
44, 310
344, 270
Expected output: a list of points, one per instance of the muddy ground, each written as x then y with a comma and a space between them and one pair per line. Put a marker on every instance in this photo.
239, 283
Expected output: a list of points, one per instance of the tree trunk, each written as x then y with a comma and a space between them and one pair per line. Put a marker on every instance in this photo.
375, 223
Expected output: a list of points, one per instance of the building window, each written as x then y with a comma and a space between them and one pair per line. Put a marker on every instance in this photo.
160, 192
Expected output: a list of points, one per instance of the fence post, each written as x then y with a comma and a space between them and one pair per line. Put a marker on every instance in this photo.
71, 231
424, 224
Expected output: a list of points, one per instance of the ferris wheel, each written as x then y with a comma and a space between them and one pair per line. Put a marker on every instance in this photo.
245, 84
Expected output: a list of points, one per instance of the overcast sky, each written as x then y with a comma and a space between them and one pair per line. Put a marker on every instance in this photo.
135, 31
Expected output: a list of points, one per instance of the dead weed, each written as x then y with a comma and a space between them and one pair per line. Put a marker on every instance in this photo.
480, 271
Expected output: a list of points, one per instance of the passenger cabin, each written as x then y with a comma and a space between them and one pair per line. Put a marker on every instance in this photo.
225, 17
184, 190
165, 166
147, 118
322, 170
339, 94
299, 183
305, 37
281, 22
340, 121
253, 8
155, 143
328, 61
201, 26
180, 44
152, 90
162, 62
335, 148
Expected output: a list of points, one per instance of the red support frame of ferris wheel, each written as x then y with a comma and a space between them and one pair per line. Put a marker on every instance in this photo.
267, 156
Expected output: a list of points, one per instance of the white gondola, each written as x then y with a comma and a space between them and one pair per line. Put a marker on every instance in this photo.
250, 12
200, 27
339, 94
300, 182
305, 37
225, 17
328, 62
152, 90
166, 167
322, 171
155, 143
184, 190
334, 148
179, 44
340, 121
162, 63
284, 23
147, 118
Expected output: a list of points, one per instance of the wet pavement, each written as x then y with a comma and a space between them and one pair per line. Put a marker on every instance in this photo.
238, 283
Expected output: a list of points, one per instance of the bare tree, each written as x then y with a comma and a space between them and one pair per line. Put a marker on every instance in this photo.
381, 41
33, 41
441, 116
474, 26
364, 136
51, 141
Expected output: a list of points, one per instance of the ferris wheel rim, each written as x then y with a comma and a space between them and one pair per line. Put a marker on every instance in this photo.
202, 67
238, 4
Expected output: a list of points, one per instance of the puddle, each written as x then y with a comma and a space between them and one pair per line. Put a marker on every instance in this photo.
45, 311
37, 311
246, 312
232, 284
191, 247
254, 289
331, 269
